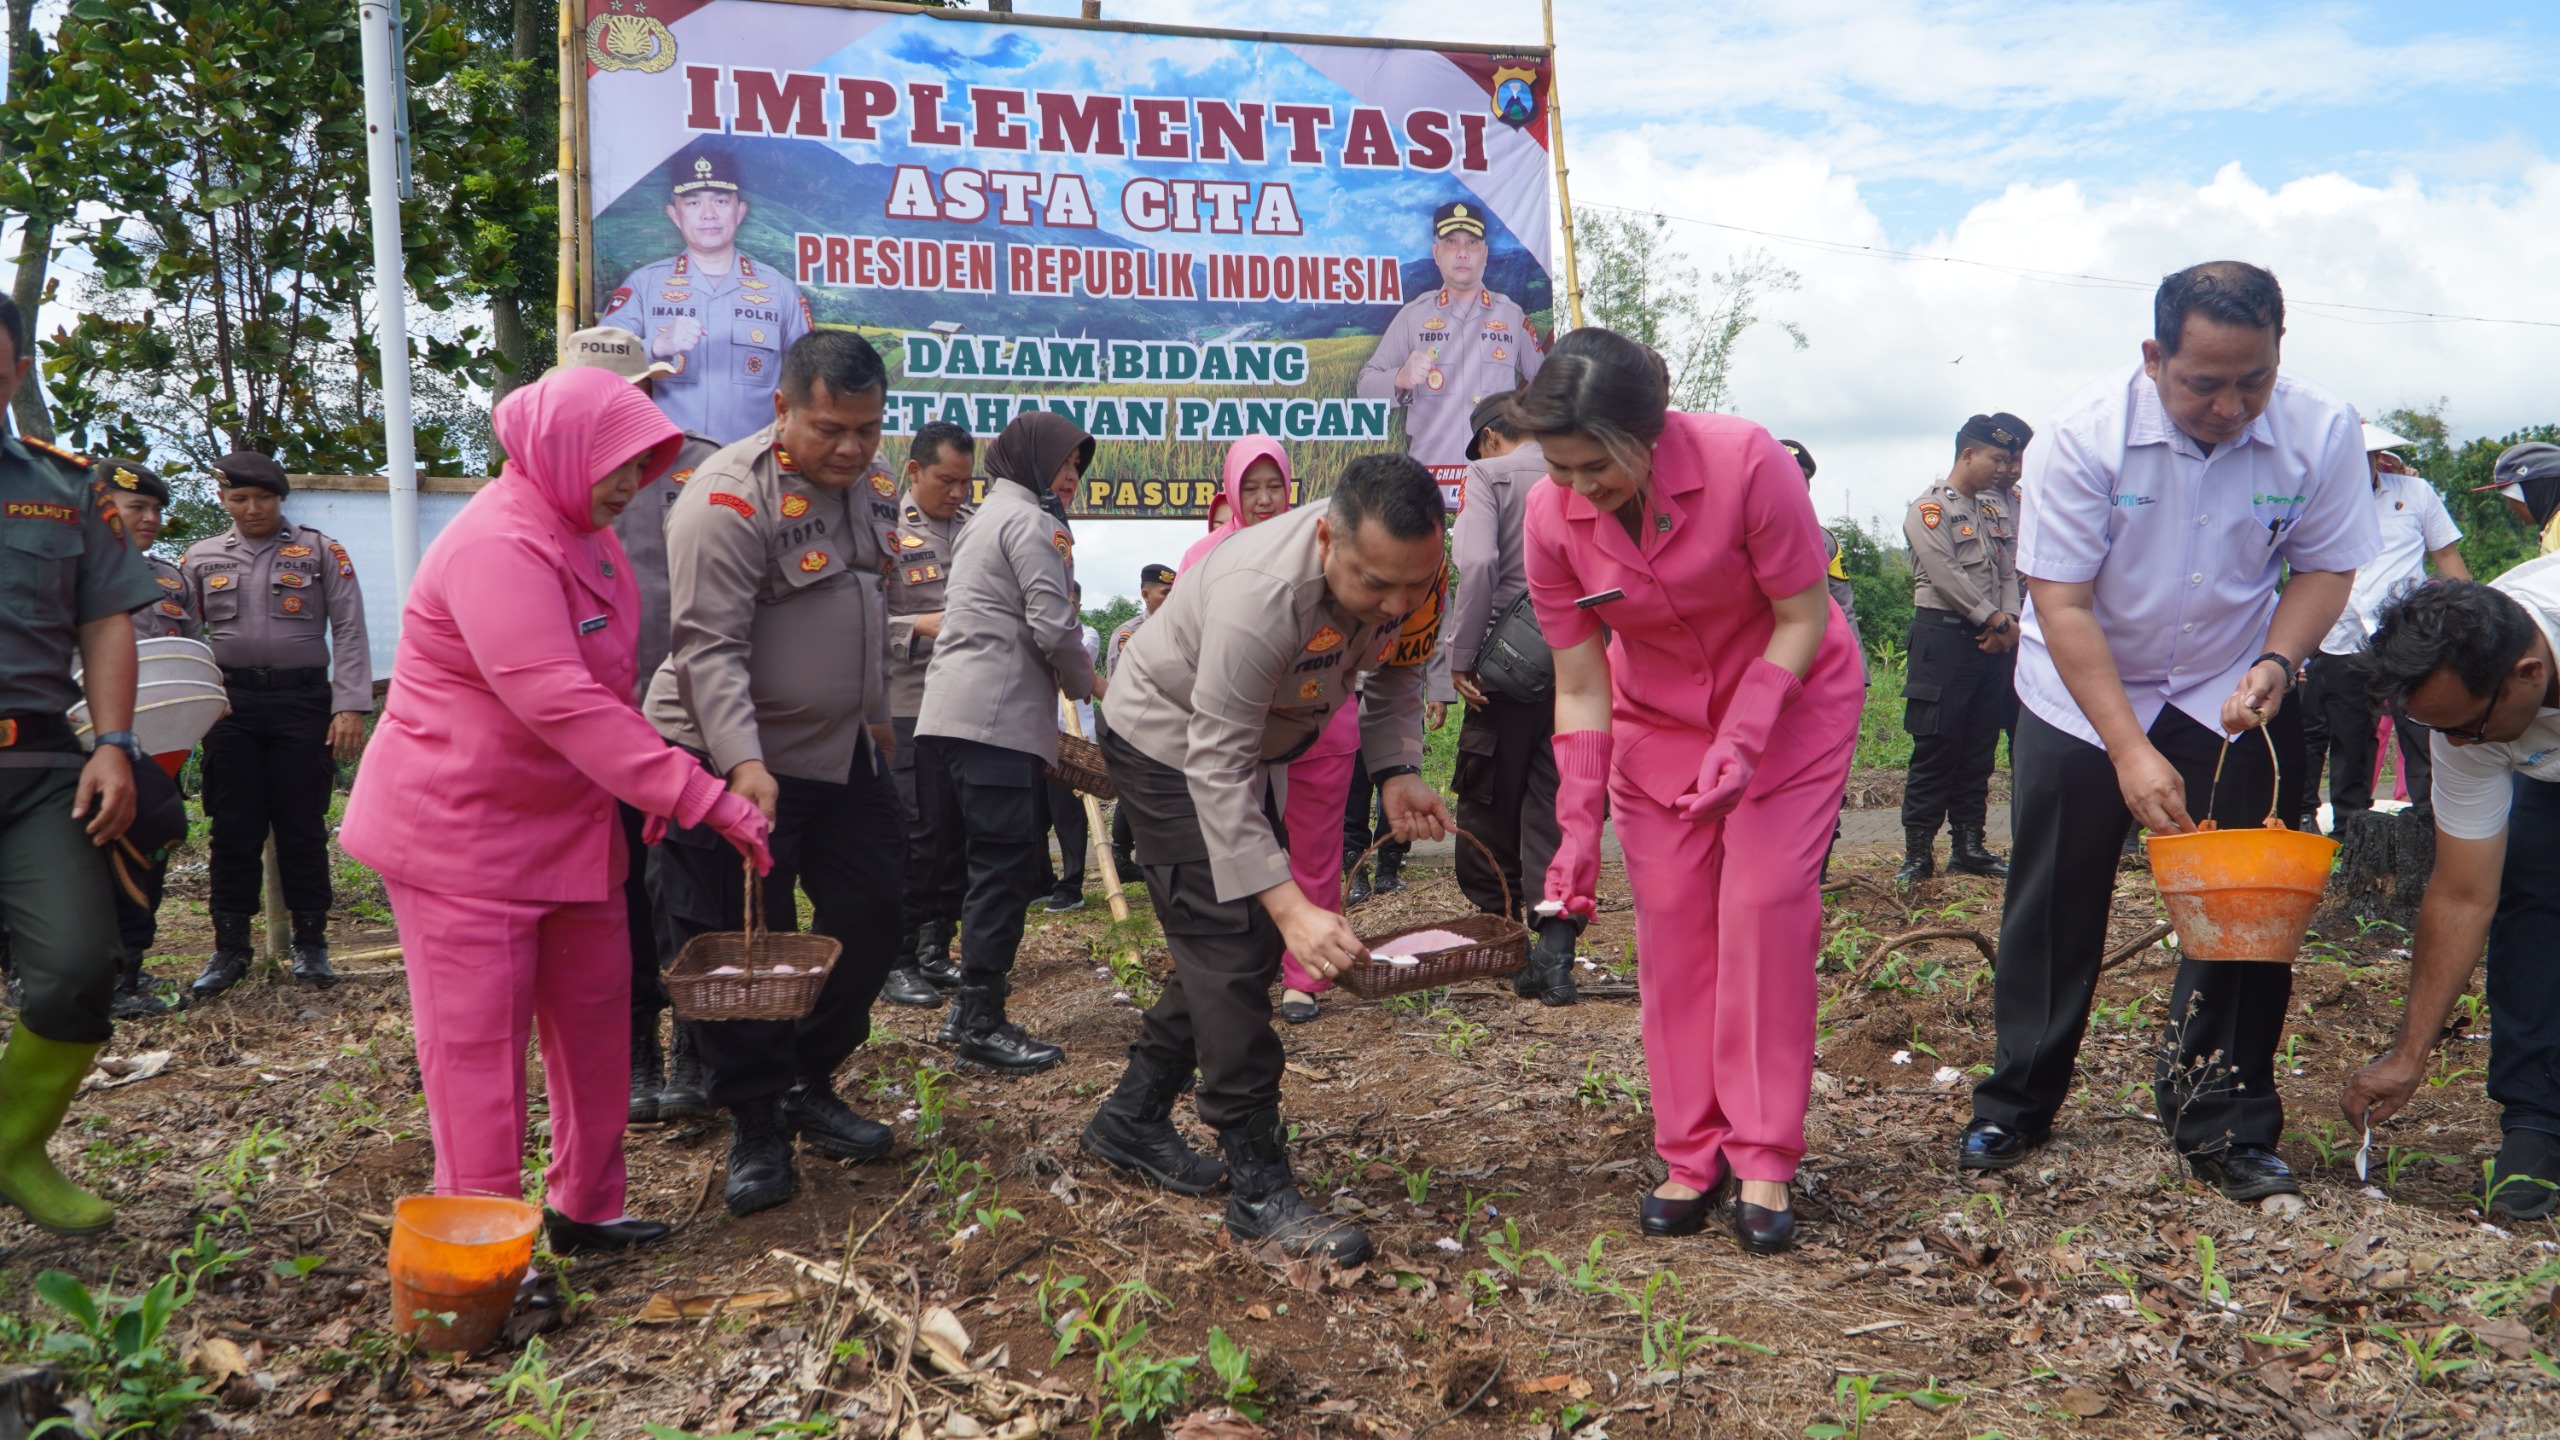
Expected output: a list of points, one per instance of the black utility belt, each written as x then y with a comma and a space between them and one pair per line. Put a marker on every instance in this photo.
253, 677
33, 731
1931, 615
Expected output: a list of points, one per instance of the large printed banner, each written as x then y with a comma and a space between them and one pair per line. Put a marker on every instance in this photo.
1174, 238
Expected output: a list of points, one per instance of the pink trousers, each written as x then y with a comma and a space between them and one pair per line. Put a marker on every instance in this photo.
484, 976
1319, 789
1728, 925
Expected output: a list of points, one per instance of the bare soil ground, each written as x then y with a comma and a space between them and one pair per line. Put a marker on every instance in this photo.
1494, 1148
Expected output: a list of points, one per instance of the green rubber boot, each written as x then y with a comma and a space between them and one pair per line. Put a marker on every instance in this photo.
38, 1077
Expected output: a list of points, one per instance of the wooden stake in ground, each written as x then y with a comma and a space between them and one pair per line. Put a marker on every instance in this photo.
1095, 835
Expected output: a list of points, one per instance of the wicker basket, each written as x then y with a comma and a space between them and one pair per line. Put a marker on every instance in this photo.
756, 992
1080, 767
1497, 945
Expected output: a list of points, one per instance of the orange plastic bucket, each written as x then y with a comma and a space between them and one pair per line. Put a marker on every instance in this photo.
2241, 894
455, 1263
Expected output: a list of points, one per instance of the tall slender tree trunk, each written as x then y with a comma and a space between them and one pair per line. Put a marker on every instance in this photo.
35, 243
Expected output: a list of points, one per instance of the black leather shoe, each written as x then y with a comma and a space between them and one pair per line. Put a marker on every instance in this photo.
1658, 1216
1919, 857
1066, 897
2245, 1172
1990, 1145
1763, 1232
1134, 1129
2524, 1183
827, 1125
1966, 856
1264, 1205
230, 959
760, 1174
907, 986
978, 1031
568, 1237
648, 1071
311, 949
686, 1096
1299, 1012
137, 998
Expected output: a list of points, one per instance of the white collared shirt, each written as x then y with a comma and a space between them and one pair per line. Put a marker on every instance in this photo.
2474, 784
2414, 525
2183, 548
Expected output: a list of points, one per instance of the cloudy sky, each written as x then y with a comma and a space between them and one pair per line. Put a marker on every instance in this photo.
2382, 158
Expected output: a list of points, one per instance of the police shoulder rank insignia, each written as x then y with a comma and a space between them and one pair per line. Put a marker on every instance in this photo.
170, 582
1311, 689
732, 502
794, 506
293, 604
57, 452
813, 561
1931, 514
881, 484
1326, 640
915, 574
293, 552
782, 458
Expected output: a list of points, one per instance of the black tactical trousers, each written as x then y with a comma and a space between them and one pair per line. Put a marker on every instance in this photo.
937, 872
2347, 715
843, 844
1215, 1012
56, 899
999, 791
1062, 812
2524, 1006
267, 768
648, 997
1506, 784
2068, 823
1956, 696
138, 926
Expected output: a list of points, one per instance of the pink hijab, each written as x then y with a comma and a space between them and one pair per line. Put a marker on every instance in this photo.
570, 429
1240, 458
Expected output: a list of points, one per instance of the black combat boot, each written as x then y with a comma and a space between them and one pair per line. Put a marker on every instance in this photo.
1548, 977
311, 949
648, 1069
760, 1174
1919, 862
230, 958
1966, 856
136, 998
1134, 1128
1357, 888
933, 954
978, 1031
1390, 869
904, 986
685, 1096
818, 1115
1263, 1203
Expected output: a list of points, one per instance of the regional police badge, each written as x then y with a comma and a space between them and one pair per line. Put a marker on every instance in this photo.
1515, 94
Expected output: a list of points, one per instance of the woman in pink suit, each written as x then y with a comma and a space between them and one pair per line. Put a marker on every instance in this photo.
486, 802
1728, 689
1257, 488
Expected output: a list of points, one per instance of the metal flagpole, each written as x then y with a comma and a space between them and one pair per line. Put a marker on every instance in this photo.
386, 124
1564, 194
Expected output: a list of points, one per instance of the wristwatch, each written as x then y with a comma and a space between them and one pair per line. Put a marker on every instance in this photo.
2283, 660
1381, 777
123, 740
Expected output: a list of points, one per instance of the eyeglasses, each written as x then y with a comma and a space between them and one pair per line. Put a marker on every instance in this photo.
2477, 732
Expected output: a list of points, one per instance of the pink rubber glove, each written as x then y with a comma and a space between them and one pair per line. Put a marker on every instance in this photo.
1734, 757
742, 824
1582, 800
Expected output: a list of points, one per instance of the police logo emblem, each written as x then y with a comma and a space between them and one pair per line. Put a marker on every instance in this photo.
1930, 515
125, 479
633, 42
292, 605
881, 484
621, 297
1501, 354
1965, 531
1311, 690
678, 477
173, 609
292, 580
1515, 94
1435, 380
217, 582
813, 561
910, 542
1066, 545
794, 506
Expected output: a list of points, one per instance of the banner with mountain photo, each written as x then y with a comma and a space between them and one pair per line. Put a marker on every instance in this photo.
1174, 237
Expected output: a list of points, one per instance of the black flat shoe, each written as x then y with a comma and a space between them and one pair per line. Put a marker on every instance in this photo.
1763, 1232
1299, 1012
568, 1236
2245, 1173
907, 986
1990, 1145
1658, 1216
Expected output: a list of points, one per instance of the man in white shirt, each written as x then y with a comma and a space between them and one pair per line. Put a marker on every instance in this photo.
2159, 506
2415, 529
2476, 664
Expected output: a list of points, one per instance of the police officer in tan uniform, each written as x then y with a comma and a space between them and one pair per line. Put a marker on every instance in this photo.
286, 621
142, 498
1964, 638
1451, 348
666, 1084
934, 505
1236, 676
779, 680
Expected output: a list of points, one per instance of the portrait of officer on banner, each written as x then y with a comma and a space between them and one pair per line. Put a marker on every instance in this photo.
710, 310
1449, 348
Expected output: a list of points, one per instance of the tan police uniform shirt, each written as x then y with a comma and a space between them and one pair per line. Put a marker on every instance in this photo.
1119, 643
1011, 637
1240, 671
174, 613
917, 575
1477, 347
288, 602
642, 528
63, 563
779, 650
1487, 548
1957, 563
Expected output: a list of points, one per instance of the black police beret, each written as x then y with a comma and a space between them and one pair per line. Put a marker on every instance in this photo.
132, 475
1458, 217
2002, 431
249, 468
706, 171
1804, 457
1155, 575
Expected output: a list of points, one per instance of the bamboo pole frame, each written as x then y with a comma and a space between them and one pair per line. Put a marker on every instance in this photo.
573, 154
1564, 195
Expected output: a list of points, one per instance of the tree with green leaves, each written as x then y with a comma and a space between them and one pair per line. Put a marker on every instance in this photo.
1636, 281
2492, 540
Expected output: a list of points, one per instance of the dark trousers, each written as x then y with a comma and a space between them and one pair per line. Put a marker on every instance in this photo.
55, 903
842, 843
1506, 784
1000, 794
2068, 824
2524, 1006
2289, 734
2298, 794
2347, 714
1362, 823
267, 768
1955, 698
937, 872
1062, 812
648, 997
138, 925
1215, 1012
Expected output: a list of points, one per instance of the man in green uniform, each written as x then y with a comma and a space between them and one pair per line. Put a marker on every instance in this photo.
71, 586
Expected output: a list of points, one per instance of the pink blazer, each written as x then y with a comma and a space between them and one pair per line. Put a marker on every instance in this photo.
509, 731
